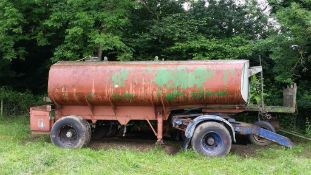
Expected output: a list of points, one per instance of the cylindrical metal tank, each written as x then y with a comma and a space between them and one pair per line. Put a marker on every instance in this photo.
169, 83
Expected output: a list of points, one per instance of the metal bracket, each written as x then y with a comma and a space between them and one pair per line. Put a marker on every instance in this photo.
91, 107
154, 131
254, 70
113, 107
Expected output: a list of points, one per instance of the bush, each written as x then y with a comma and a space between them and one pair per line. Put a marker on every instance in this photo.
18, 103
308, 127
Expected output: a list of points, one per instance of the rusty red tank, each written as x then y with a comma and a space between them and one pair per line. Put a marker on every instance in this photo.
155, 83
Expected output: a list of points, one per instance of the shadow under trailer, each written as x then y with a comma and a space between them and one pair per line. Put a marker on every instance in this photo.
196, 98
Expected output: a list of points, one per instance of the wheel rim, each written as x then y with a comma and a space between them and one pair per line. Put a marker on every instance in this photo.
68, 135
212, 142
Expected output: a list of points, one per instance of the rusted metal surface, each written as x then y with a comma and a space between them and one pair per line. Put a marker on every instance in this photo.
127, 91
151, 127
147, 83
121, 113
224, 108
40, 121
271, 109
159, 129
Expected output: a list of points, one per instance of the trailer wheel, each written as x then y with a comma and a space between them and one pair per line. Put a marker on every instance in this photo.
70, 132
88, 133
259, 140
211, 139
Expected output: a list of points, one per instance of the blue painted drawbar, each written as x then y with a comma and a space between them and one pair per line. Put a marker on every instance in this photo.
264, 133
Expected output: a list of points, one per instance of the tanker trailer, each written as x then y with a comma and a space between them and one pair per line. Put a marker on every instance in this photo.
85, 93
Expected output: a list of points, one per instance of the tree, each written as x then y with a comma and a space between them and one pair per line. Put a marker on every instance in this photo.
34, 34
214, 30
290, 51
145, 34
86, 28
10, 30
10, 33
291, 47
22, 60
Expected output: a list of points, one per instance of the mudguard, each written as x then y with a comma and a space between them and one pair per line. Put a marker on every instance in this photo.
204, 118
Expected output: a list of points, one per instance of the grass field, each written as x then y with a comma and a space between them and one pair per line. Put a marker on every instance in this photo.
20, 154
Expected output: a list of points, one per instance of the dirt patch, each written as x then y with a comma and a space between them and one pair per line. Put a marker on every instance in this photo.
246, 150
119, 143
134, 144
170, 147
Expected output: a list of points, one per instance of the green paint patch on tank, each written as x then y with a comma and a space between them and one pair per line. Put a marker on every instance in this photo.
125, 96
208, 93
173, 95
198, 94
221, 93
118, 78
181, 77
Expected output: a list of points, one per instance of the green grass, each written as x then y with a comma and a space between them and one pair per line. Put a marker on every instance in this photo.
20, 154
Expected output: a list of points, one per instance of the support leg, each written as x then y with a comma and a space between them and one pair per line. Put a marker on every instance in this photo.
160, 129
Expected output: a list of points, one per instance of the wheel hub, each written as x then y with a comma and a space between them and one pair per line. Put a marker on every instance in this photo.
69, 134
210, 141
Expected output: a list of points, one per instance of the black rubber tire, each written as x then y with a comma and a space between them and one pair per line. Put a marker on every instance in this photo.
77, 129
258, 140
214, 130
89, 132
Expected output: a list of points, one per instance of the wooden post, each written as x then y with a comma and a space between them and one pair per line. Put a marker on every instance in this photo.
1, 108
